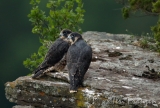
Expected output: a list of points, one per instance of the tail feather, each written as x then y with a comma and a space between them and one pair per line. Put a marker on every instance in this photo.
42, 66
40, 73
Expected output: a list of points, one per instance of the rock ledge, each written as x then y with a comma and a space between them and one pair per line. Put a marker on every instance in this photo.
114, 80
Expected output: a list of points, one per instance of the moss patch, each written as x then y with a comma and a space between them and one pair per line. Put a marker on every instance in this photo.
12, 84
80, 99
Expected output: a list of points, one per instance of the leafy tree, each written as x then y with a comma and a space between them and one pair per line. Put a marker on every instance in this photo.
148, 7
60, 14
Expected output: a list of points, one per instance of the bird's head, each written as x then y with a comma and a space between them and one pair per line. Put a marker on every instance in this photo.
64, 33
73, 37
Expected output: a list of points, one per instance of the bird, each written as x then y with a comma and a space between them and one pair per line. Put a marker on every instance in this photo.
56, 53
79, 57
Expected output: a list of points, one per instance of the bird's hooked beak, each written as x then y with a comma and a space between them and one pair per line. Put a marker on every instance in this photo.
69, 37
61, 36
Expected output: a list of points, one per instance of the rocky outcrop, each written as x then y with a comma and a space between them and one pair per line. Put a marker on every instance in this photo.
115, 79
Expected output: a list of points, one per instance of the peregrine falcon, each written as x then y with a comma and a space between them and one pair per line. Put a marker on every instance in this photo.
79, 57
56, 52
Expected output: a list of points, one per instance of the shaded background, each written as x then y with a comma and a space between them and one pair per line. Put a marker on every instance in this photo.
17, 42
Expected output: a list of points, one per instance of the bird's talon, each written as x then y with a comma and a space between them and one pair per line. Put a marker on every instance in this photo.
72, 91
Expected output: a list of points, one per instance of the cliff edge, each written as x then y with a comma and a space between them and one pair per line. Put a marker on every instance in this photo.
121, 75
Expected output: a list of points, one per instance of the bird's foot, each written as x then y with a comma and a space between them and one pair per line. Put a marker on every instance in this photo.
73, 91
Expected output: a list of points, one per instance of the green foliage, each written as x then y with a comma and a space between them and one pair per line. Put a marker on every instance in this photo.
156, 31
125, 12
60, 14
148, 7
143, 43
156, 6
131, 6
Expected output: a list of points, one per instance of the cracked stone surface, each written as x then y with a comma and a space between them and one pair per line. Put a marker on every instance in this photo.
114, 79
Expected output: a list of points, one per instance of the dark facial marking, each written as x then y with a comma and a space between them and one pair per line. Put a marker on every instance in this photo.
73, 37
66, 32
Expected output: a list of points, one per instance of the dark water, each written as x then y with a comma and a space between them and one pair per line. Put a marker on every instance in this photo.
17, 42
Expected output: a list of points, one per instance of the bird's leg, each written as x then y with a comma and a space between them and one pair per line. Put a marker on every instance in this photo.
49, 69
73, 85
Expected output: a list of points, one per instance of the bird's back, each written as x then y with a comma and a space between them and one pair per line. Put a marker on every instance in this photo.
80, 55
54, 54
79, 48
56, 51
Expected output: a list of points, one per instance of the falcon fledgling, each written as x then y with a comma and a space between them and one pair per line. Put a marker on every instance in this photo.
79, 57
55, 53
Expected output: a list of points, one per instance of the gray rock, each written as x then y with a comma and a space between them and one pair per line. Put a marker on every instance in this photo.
114, 80
19, 106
